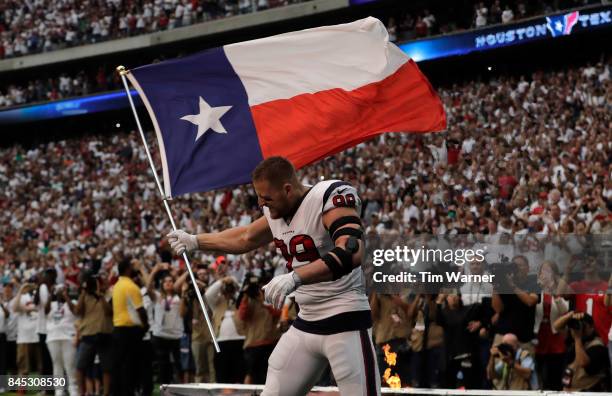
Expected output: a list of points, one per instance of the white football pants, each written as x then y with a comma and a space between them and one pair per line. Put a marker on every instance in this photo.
300, 358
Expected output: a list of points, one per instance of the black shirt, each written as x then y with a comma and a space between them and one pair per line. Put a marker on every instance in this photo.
516, 318
456, 335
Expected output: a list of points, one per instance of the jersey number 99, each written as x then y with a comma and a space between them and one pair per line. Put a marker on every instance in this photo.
301, 247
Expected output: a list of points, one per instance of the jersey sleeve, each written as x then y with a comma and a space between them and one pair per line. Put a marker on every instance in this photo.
341, 195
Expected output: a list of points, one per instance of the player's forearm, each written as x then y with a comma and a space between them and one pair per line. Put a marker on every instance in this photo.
232, 241
315, 272
319, 271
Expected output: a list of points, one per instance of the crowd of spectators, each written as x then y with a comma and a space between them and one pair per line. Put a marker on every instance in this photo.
28, 27
409, 24
64, 86
405, 25
521, 156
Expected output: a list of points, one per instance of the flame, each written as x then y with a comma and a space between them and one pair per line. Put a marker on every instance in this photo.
391, 359
394, 382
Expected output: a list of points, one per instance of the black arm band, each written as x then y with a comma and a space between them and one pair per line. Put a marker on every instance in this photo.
333, 266
339, 269
342, 221
357, 233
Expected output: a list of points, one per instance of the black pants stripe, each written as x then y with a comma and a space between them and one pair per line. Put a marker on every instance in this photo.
369, 364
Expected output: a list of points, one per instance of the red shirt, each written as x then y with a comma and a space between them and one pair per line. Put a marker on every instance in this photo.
548, 342
589, 298
506, 184
453, 155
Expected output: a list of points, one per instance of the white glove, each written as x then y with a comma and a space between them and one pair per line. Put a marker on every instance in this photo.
280, 287
180, 241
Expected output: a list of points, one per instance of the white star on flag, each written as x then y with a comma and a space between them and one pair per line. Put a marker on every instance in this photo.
209, 118
559, 26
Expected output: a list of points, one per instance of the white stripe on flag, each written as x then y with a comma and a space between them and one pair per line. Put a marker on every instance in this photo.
345, 56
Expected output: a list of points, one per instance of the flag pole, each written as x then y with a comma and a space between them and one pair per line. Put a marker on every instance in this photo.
122, 72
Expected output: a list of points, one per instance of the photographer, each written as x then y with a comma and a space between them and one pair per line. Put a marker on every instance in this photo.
229, 363
167, 327
201, 341
391, 326
476, 297
427, 363
61, 332
511, 367
95, 329
515, 312
261, 330
588, 366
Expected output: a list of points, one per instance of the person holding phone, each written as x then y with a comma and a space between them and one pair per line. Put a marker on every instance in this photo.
167, 324
95, 328
61, 332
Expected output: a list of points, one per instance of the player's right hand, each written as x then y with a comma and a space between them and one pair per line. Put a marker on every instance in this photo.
181, 241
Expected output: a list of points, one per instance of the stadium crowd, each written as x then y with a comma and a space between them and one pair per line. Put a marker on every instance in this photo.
19, 36
524, 160
28, 27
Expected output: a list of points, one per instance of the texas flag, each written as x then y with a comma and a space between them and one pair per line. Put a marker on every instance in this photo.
303, 95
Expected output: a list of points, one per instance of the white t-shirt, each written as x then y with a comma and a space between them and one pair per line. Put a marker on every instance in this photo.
60, 322
41, 325
27, 322
167, 320
227, 331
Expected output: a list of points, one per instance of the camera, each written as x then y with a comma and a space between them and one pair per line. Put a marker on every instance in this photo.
575, 324
89, 283
191, 292
251, 286
502, 270
57, 294
505, 349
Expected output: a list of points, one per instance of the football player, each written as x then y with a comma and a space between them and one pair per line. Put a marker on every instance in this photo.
318, 231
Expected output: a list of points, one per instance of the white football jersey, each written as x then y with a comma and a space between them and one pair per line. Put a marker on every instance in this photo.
304, 239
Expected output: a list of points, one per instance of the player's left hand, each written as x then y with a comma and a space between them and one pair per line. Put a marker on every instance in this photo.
278, 288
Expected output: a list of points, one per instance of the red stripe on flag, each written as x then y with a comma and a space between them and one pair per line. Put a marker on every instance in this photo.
310, 127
